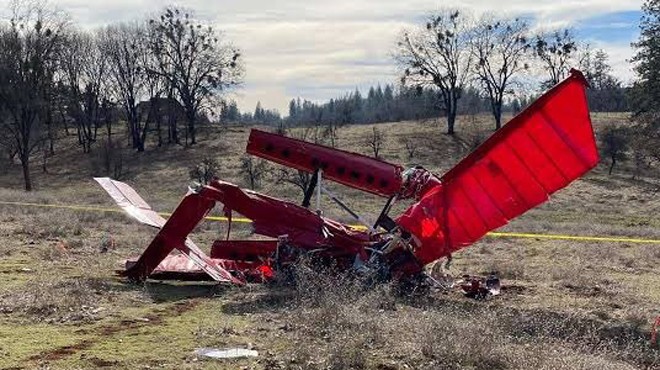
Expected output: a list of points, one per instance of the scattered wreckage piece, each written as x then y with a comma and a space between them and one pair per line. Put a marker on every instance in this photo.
538, 152
229, 353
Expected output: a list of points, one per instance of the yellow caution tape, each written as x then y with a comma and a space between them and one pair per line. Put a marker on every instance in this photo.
245, 220
103, 209
575, 237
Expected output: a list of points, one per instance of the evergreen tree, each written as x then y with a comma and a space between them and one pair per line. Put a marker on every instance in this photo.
259, 113
646, 98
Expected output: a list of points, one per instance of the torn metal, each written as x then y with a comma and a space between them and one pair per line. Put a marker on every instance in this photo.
538, 152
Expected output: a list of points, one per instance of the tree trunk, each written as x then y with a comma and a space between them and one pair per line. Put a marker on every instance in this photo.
51, 135
108, 127
451, 118
191, 129
25, 163
44, 163
63, 117
160, 135
497, 113
156, 109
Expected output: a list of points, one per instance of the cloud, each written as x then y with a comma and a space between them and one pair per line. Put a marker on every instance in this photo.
322, 49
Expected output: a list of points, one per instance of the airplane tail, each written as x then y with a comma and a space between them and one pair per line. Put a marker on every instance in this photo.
173, 232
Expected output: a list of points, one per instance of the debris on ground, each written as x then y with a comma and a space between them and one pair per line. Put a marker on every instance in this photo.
228, 353
489, 187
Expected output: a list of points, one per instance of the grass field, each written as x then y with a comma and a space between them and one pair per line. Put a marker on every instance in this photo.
565, 304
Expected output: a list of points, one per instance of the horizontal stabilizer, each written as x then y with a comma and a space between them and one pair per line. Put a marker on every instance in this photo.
131, 202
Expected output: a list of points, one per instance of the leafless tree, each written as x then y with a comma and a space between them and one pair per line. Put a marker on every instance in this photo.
124, 47
161, 96
375, 141
196, 62
615, 144
205, 171
412, 145
300, 179
439, 54
253, 171
555, 50
500, 49
85, 70
29, 45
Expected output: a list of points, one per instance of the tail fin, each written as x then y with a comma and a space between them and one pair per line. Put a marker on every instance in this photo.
172, 232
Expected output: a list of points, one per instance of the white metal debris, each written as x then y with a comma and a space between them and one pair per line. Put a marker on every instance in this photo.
226, 353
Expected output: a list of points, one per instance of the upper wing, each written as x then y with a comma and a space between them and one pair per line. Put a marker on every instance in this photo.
351, 169
540, 151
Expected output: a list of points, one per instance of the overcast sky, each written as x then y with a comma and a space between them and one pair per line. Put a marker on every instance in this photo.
320, 49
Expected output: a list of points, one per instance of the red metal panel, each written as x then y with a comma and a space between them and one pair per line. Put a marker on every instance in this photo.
180, 267
187, 215
274, 217
540, 151
351, 169
243, 250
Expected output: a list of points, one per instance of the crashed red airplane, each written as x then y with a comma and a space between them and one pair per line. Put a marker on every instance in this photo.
538, 152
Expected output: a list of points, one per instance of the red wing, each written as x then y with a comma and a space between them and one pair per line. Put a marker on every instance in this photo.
540, 151
351, 169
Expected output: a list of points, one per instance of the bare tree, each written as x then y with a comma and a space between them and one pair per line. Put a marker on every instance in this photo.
375, 141
615, 144
85, 71
412, 145
194, 60
301, 179
30, 45
555, 50
500, 49
205, 171
439, 54
124, 47
646, 90
253, 171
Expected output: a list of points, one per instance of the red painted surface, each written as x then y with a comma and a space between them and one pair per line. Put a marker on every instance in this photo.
173, 235
242, 250
351, 169
273, 217
540, 151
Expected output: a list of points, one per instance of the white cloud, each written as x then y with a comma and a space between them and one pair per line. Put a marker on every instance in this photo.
318, 49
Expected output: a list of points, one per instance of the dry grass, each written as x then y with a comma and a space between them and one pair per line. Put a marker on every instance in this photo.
565, 305
335, 323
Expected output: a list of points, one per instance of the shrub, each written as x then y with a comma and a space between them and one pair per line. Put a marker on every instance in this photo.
204, 171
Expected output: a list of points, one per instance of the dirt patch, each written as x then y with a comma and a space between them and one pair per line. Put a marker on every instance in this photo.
104, 331
516, 289
180, 308
103, 363
62, 352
